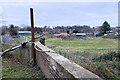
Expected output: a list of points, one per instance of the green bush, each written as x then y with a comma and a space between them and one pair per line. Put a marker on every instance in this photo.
111, 36
110, 56
42, 41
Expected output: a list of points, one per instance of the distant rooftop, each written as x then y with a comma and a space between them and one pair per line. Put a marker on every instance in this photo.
77, 34
22, 32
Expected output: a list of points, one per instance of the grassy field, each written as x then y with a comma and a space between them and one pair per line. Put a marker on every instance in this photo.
92, 46
85, 51
81, 51
90, 43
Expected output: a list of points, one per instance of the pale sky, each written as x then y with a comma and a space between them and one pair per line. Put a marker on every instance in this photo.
59, 13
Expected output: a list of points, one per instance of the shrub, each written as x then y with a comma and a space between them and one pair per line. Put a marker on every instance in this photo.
109, 56
42, 40
111, 36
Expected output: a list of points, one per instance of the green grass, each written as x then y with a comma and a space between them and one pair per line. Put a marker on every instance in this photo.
83, 52
90, 43
16, 70
89, 48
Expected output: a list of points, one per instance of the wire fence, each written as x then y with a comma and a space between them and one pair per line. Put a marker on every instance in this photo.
7, 41
13, 40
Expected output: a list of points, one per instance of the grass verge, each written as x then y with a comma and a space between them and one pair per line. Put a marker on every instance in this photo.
12, 69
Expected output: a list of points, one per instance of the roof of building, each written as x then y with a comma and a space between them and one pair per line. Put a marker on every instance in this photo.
23, 32
77, 34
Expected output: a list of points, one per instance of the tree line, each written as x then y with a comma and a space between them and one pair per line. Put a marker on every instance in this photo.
13, 30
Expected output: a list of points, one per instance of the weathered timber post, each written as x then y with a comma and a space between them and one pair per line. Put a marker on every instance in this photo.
32, 34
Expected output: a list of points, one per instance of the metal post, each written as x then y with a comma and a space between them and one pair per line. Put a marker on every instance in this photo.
1, 39
24, 38
32, 34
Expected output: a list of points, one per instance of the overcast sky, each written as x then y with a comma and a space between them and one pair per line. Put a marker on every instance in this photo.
59, 13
